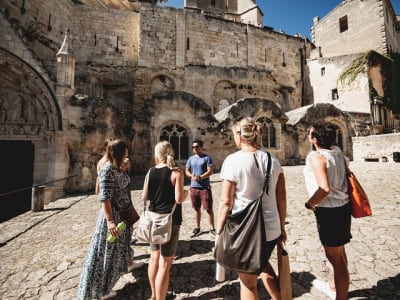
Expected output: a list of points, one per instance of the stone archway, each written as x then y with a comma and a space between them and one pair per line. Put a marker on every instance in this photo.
30, 117
28, 106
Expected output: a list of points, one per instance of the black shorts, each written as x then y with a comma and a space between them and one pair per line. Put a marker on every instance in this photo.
334, 225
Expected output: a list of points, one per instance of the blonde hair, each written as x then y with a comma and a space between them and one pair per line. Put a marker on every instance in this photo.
163, 153
248, 129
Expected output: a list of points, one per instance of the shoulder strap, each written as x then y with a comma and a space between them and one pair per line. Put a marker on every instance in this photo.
267, 173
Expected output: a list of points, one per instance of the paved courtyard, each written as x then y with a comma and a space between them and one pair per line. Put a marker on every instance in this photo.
42, 253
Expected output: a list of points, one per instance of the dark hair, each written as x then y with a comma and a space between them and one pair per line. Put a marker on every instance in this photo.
325, 133
116, 151
200, 142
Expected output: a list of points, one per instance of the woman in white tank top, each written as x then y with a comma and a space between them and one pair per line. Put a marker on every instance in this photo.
325, 177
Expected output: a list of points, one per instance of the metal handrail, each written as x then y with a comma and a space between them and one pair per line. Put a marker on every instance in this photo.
34, 186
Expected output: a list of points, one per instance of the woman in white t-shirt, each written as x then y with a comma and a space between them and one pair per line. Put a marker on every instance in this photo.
242, 184
325, 177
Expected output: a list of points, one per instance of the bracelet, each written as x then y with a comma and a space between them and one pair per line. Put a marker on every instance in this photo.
110, 221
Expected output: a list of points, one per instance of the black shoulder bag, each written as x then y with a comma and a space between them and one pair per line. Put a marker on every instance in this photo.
242, 245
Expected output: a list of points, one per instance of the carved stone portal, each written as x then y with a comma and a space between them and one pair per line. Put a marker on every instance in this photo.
27, 105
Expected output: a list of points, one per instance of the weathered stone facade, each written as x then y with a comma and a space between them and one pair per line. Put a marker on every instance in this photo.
144, 73
346, 36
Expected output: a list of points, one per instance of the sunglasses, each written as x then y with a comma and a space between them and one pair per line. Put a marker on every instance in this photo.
195, 147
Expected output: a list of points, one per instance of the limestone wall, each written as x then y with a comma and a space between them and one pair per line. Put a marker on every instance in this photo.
376, 147
365, 23
324, 76
107, 37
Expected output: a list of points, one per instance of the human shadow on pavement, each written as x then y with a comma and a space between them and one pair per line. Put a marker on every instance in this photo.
197, 281
388, 288
301, 282
192, 247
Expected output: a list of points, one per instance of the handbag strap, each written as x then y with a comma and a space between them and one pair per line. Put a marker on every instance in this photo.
267, 173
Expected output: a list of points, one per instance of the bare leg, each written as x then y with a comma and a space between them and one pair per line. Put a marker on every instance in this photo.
211, 218
270, 282
248, 287
337, 257
198, 217
162, 279
153, 270
332, 281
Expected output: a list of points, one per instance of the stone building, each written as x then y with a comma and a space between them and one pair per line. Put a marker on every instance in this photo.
74, 73
357, 45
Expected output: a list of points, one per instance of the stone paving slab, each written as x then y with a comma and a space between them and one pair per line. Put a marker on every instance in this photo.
42, 253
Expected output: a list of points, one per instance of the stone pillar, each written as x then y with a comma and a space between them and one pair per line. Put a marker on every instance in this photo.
38, 198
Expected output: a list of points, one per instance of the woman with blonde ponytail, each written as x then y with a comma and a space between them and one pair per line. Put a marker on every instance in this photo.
242, 184
164, 188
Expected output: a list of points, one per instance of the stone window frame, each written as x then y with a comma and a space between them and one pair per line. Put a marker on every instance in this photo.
271, 131
178, 135
334, 94
343, 24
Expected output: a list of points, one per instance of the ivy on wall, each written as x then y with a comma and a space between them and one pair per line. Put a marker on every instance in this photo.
371, 58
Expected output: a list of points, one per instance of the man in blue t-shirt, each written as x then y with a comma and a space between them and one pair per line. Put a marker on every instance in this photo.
199, 168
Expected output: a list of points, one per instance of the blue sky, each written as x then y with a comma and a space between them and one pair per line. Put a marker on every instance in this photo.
292, 16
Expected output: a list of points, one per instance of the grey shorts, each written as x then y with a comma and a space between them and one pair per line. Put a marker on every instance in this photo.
168, 249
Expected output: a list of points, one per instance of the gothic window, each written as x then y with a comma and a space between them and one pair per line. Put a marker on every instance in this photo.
268, 130
212, 2
343, 24
177, 136
322, 71
187, 44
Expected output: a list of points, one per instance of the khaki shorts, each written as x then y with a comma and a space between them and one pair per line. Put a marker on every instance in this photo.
168, 249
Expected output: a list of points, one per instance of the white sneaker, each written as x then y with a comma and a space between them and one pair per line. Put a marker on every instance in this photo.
135, 265
324, 287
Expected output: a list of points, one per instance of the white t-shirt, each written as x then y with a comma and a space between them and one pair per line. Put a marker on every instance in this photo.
335, 166
241, 169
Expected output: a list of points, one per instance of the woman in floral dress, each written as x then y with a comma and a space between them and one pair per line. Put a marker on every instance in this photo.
105, 262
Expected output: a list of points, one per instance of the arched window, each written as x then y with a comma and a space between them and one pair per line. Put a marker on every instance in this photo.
268, 139
177, 136
223, 103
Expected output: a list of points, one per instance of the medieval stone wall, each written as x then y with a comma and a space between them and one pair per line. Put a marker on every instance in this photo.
365, 25
324, 75
106, 37
376, 147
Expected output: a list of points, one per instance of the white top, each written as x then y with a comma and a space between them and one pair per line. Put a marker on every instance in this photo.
335, 165
241, 169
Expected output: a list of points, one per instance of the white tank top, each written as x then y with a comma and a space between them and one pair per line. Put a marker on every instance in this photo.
335, 165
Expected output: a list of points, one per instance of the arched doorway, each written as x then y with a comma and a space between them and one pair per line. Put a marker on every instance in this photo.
30, 119
16, 160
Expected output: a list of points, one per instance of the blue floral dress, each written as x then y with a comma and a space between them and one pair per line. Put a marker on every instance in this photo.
105, 262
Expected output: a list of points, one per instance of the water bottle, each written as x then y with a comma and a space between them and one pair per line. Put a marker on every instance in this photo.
219, 273
121, 227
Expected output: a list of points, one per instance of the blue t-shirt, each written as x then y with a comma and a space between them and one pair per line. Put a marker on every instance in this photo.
198, 165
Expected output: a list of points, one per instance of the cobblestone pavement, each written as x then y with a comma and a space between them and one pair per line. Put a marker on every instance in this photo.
42, 253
